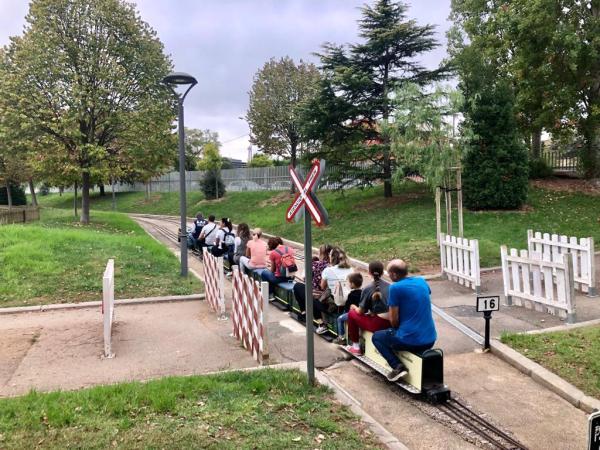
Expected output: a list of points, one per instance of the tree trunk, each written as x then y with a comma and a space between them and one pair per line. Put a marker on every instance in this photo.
589, 156
147, 195
387, 174
85, 198
75, 199
536, 143
102, 192
60, 191
114, 198
32, 190
8, 195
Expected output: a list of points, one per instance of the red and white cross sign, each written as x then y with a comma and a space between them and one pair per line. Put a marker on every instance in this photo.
305, 195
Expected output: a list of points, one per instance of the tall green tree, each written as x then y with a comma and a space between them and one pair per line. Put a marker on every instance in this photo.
195, 140
81, 73
550, 53
355, 98
495, 162
278, 92
212, 185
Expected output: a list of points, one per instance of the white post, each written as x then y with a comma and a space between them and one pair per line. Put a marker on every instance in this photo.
570, 287
264, 288
505, 274
438, 215
592, 291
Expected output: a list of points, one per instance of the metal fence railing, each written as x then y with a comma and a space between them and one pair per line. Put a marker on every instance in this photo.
243, 179
566, 161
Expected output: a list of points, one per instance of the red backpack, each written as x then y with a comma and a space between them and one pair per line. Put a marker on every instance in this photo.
288, 266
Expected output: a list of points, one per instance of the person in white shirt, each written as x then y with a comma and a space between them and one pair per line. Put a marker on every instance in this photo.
209, 232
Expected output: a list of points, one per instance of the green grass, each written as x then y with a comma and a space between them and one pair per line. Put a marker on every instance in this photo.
369, 226
58, 260
573, 355
265, 409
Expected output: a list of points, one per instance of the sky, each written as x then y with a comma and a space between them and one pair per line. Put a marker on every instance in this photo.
223, 43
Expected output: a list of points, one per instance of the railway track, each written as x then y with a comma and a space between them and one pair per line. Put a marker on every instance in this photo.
459, 417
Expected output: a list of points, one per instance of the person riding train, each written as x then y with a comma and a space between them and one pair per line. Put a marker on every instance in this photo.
412, 326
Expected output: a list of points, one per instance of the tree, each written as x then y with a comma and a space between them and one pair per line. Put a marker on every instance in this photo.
495, 162
212, 184
261, 160
355, 99
278, 92
81, 73
550, 53
195, 140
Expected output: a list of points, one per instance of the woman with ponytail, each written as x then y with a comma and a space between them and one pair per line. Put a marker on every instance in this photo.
372, 312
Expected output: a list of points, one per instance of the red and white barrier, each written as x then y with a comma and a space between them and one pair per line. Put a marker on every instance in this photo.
214, 280
108, 306
249, 314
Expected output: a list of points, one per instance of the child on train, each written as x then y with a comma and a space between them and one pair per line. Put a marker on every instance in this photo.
355, 280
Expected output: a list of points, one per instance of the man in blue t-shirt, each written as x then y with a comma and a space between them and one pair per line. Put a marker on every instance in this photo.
413, 329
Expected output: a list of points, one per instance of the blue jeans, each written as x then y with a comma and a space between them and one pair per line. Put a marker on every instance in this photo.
386, 342
269, 276
341, 320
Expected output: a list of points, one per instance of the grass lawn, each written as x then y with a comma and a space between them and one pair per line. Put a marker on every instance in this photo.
57, 260
573, 355
264, 409
369, 226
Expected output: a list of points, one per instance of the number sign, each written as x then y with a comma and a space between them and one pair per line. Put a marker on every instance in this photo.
594, 431
489, 303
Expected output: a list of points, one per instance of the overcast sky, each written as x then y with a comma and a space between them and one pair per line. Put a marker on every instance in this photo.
224, 42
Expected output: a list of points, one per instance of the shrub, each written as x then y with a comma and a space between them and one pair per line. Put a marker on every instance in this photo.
495, 165
212, 185
539, 168
44, 189
17, 194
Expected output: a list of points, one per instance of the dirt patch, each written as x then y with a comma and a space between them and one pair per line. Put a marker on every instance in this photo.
384, 203
15, 345
571, 185
276, 200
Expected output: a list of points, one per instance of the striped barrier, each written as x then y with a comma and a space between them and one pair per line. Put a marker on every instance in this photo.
249, 314
214, 281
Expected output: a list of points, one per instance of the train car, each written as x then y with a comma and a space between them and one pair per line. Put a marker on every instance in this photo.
425, 370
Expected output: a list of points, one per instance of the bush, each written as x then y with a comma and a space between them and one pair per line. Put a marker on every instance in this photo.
17, 194
212, 185
495, 165
539, 168
44, 189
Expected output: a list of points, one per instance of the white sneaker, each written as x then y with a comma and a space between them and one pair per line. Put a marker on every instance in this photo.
321, 329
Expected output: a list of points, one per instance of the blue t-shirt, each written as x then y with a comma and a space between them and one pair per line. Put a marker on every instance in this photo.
412, 297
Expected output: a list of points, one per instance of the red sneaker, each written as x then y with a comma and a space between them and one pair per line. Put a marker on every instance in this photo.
355, 351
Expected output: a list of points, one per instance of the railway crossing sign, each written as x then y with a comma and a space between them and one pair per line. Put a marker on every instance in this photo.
305, 195
306, 199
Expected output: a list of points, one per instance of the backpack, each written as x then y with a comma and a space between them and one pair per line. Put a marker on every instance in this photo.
228, 239
341, 289
288, 265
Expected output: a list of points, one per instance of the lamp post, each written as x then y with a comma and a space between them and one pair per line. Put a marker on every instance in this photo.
172, 80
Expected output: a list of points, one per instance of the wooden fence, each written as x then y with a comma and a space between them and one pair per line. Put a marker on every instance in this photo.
19, 214
460, 260
584, 270
543, 282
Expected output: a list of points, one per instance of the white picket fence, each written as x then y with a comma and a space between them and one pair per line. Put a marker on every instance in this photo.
582, 250
108, 306
460, 260
543, 282
214, 280
249, 314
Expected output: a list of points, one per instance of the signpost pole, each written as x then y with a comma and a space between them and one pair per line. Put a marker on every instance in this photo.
310, 344
487, 315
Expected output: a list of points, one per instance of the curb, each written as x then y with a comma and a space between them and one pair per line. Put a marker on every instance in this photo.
545, 378
96, 304
565, 327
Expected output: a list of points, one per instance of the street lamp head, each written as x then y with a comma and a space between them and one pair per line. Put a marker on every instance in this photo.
179, 78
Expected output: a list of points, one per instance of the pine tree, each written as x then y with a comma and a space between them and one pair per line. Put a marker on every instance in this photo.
496, 170
355, 93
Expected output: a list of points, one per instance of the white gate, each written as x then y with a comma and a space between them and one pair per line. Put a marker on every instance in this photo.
584, 271
214, 281
540, 282
108, 306
460, 260
249, 314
